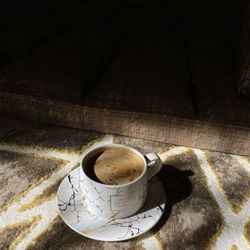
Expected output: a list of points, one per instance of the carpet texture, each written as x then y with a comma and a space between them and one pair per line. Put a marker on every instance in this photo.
208, 193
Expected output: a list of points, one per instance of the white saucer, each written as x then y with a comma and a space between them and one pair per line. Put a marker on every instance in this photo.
78, 218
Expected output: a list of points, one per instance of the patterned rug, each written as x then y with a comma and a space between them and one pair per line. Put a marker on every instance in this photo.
208, 193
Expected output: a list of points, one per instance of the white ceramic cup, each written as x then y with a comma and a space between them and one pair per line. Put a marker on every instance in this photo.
117, 201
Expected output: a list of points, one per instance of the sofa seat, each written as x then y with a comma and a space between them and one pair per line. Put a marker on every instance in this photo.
170, 85
149, 74
214, 82
63, 67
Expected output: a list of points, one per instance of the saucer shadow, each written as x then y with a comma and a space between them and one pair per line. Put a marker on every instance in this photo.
177, 188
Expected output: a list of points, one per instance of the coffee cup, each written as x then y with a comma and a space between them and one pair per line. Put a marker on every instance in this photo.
113, 201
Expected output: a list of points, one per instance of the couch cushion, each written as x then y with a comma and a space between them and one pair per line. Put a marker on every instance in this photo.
243, 50
158, 127
20, 36
63, 67
148, 75
214, 83
168, 13
150, 13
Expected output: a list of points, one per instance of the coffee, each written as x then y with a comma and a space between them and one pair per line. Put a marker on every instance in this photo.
114, 166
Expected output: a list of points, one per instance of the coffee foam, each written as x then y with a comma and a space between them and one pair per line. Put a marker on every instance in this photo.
118, 166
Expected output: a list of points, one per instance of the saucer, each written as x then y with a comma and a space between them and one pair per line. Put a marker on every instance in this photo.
74, 213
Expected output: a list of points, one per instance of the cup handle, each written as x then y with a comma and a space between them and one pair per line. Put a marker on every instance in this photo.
154, 164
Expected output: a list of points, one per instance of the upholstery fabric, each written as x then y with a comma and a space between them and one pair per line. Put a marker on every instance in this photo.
157, 127
65, 66
214, 83
33, 8
171, 83
23, 34
20, 38
148, 75
244, 50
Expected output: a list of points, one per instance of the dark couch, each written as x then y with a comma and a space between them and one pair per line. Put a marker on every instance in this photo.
172, 71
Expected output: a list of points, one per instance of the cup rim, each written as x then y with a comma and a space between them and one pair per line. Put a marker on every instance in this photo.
115, 145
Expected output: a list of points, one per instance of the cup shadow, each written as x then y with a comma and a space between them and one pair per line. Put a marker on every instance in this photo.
177, 188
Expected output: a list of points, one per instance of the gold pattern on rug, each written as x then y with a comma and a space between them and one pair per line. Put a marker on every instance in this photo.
35, 209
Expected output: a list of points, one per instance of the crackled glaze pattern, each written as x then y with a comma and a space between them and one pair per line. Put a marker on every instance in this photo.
74, 213
115, 201
102, 201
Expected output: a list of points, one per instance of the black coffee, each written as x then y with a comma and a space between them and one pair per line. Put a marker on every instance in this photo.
114, 166
89, 167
